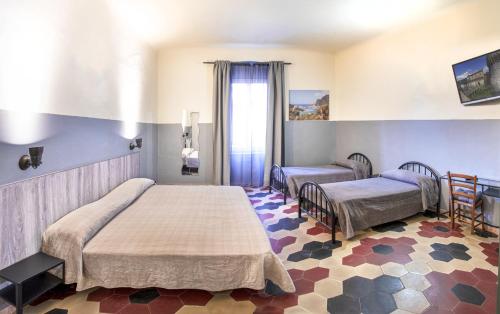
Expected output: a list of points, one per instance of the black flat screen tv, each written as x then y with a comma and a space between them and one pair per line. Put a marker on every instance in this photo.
478, 79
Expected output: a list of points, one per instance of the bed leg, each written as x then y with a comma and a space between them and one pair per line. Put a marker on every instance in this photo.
438, 207
300, 207
284, 198
333, 229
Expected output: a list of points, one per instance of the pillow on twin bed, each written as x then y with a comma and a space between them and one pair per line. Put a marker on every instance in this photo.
361, 170
428, 185
67, 236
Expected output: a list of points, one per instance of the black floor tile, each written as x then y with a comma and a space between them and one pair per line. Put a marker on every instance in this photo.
144, 296
377, 303
383, 249
358, 287
468, 294
441, 256
343, 304
388, 284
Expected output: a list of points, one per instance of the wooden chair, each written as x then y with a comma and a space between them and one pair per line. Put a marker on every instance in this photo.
464, 197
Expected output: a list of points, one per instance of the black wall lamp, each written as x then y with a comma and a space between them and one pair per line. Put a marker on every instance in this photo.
34, 159
137, 143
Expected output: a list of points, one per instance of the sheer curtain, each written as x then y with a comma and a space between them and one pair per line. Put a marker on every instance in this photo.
248, 119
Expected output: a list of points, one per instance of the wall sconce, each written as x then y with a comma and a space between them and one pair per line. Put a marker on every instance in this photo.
137, 143
34, 159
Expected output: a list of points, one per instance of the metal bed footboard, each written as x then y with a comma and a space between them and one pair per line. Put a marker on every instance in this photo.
426, 170
314, 201
277, 181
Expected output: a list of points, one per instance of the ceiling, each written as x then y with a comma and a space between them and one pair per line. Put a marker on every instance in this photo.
320, 24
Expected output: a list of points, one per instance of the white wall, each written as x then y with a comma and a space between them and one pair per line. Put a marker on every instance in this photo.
184, 82
74, 58
406, 74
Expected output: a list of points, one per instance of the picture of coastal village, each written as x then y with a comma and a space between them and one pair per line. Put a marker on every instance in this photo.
478, 78
309, 105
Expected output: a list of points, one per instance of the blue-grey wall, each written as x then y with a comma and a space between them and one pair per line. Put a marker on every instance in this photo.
73, 141
470, 146
309, 143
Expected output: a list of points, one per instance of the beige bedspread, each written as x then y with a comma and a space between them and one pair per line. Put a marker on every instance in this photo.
174, 237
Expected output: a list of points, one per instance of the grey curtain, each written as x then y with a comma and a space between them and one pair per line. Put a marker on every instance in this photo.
275, 135
220, 122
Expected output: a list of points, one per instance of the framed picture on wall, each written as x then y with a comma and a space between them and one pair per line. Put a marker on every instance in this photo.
309, 105
478, 79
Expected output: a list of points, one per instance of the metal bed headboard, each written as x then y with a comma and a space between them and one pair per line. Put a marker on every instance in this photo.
426, 170
362, 158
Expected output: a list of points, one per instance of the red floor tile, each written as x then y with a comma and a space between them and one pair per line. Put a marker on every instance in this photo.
196, 297
464, 277
135, 309
466, 308
316, 274
362, 250
303, 286
165, 305
284, 301
268, 309
124, 291
353, 260
114, 303
100, 294
296, 274
442, 298
483, 274
242, 294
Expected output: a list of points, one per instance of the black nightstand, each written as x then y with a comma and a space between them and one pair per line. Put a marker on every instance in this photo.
30, 279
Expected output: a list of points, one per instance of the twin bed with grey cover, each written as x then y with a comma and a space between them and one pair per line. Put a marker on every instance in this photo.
288, 180
173, 237
358, 205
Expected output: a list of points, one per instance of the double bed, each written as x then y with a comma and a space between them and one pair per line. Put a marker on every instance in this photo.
288, 180
173, 237
361, 204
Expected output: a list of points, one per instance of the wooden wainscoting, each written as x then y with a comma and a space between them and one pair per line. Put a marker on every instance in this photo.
28, 207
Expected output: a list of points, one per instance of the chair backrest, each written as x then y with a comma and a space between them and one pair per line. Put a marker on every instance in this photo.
463, 188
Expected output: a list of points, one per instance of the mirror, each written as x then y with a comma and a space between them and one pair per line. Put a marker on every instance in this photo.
190, 143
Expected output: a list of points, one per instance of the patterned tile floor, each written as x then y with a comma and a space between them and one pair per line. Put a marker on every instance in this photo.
414, 266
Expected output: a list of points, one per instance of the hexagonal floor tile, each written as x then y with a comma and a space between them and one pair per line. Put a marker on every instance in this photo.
411, 300
388, 284
468, 294
343, 304
144, 296
378, 302
394, 269
383, 249
415, 282
357, 287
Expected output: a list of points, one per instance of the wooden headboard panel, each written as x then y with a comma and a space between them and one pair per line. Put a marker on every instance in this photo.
28, 207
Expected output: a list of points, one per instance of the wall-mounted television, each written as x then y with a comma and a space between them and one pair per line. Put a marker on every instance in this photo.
478, 79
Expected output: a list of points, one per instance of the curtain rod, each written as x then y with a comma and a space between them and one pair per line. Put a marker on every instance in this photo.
244, 62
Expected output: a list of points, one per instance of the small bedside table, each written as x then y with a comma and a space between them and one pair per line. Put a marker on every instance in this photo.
30, 279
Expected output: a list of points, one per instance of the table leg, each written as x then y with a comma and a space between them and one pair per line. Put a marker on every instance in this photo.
19, 299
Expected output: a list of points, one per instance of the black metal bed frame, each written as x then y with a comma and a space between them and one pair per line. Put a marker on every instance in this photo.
277, 177
316, 204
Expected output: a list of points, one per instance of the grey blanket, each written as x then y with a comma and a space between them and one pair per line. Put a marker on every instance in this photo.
340, 171
366, 203
427, 185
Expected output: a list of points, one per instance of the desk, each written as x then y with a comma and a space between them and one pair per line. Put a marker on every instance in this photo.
490, 190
